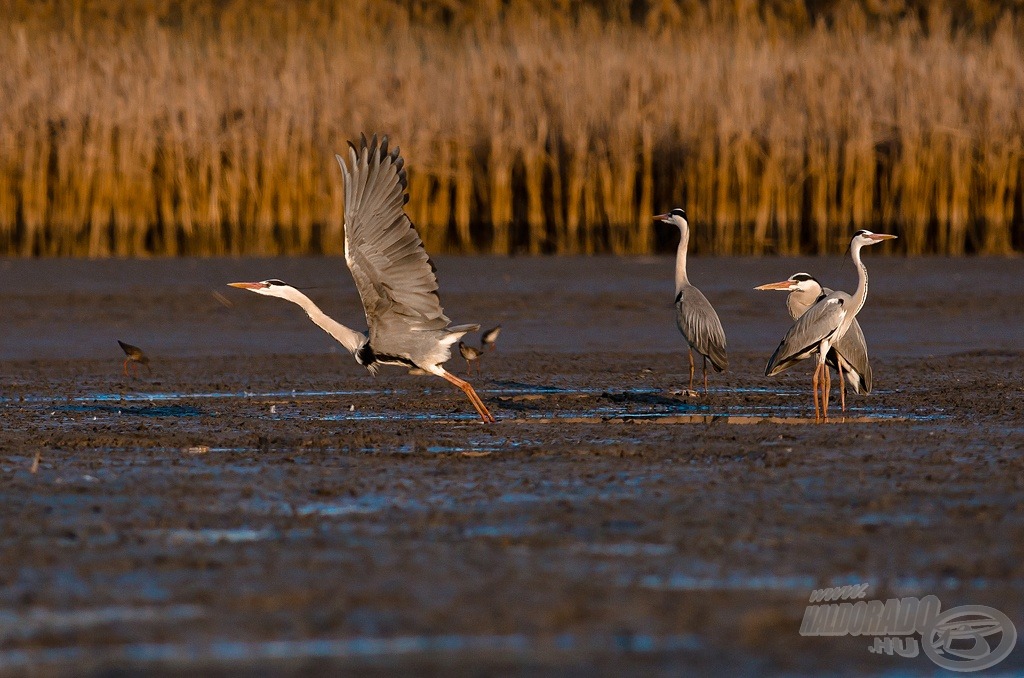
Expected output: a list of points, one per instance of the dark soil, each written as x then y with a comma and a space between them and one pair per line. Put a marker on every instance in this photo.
259, 503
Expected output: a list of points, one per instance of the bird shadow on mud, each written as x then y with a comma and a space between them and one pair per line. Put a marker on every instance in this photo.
647, 399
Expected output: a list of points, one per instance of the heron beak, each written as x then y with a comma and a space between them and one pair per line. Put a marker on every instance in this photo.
878, 237
661, 217
784, 285
248, 285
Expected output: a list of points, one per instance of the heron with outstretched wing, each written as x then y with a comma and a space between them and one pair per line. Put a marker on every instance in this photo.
392, 272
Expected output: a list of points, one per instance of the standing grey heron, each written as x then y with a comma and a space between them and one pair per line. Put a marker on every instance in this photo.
392, 272
695, 317
851, 350
825, 323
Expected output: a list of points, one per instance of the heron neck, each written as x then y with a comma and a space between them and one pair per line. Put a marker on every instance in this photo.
684, 241
348, 338
861, 295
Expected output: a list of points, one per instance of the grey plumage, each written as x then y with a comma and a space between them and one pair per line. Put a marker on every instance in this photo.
825, 323
392, 272
701, 327
696, 318
804, 291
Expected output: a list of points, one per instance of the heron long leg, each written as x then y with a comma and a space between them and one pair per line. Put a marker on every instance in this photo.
827, 390
842, 385
705, 375
126, 361
690, 354
467, 388
814, 385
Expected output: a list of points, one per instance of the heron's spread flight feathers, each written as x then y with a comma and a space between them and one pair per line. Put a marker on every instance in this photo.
392, 271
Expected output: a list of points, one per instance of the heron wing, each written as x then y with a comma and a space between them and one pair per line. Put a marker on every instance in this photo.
803, 338
391, 269
853, 349
700, 325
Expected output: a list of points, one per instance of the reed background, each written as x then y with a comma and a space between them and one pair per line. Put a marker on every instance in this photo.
208, 127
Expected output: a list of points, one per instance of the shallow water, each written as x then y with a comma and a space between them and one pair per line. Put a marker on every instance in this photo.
260, 498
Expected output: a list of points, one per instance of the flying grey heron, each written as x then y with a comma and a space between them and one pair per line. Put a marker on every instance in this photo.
489, 339
471, 354
135, 357
695, 317
392, 272
824, 323
851, 350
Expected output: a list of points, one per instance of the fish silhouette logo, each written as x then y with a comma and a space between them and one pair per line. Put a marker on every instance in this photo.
962, 638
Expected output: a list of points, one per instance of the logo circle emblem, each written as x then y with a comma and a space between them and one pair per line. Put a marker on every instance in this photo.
960, 639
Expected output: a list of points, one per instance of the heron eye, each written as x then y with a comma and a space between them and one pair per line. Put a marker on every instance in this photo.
861, 233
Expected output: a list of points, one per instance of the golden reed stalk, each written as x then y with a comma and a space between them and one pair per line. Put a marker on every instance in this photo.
208, 127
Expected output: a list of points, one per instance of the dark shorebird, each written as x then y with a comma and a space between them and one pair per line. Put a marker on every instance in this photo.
135, 357
849, 354
824, 324
489, 339
695, 316
471, 354
392, 272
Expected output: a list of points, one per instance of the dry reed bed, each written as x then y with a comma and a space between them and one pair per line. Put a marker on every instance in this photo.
214, 133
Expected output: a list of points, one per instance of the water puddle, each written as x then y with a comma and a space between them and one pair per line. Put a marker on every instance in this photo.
26, 624
517, 403
132, 410
731, 582
223, 651
237, 535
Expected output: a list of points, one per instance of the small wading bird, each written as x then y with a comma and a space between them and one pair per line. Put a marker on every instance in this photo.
489, 339
824, 324
135, 356
848, 355
471, 354
392, 272
695, 317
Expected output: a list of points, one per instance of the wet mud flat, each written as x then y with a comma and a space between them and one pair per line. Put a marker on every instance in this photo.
259, 503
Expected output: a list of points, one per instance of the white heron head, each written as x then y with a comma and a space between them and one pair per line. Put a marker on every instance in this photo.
676, 216
798, 282
865, 238
270, 288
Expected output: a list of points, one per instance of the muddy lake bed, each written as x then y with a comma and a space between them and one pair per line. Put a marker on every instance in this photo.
258, 503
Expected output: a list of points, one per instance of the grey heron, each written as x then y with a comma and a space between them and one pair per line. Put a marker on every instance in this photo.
471, 354
851, 350
695, 316
392, 272
825, 323
489, 339
135, 357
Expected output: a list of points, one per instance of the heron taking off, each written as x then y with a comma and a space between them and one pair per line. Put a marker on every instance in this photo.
825, 323
392, 272
134, 357
848, 355
695, 317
